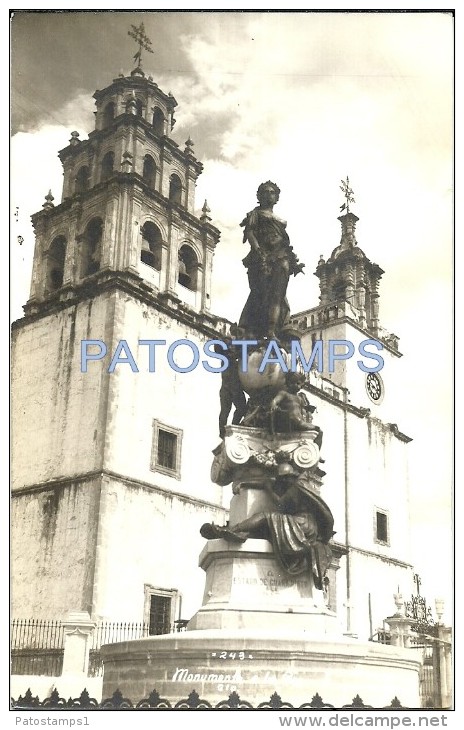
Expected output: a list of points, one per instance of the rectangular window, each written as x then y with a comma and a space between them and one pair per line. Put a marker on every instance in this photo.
381, 527
166, 449
160, 615
160, 609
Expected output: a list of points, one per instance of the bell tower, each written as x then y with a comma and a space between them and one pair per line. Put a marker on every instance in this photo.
349, 276
365, 450
348, 312
127, 205
103, 475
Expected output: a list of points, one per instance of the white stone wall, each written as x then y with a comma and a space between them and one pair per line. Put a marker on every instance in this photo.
147, 538
377, 577
377, 478
53, 544
347, 374
57, 411
75, 550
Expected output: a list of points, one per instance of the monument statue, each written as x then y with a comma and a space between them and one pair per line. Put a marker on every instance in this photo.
271, 452
299, 526
270, 263
267, 619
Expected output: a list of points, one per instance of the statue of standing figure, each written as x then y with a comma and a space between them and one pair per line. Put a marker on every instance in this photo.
270, 263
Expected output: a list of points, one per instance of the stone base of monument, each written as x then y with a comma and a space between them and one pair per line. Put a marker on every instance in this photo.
256, 663
246, 588
260, 631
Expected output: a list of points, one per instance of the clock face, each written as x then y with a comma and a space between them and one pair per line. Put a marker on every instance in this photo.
375, 387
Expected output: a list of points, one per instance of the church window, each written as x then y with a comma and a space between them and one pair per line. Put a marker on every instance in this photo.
139, 107
91, 251
188, 267
55, 268
381, 527
166, 450
158, 122
82, 179
107, 166
151, 245
175, 189
108, 114
159, 611
149, 171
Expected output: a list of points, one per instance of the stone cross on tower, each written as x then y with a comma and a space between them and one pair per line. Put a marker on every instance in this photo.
140, 37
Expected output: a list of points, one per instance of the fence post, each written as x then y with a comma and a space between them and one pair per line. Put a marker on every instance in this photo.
77, 630
444, 654
400, 625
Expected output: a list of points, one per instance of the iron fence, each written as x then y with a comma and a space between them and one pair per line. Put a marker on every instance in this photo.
193, 702
429, 674
110, 632
37, 647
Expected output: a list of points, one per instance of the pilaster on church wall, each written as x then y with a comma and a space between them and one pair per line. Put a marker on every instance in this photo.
166, 164
71, 264
173, 250
113, 254
38, 265
139, 150
190, 178
208, 253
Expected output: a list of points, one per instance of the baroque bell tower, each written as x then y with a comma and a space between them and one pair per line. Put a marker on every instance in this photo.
127, 204
365, 450
103, 482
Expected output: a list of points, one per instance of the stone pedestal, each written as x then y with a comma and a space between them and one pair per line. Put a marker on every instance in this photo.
246, 587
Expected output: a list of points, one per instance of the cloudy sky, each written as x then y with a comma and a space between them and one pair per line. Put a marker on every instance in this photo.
304, 99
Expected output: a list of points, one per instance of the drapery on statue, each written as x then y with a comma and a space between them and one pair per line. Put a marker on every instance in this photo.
299, 527
270, 262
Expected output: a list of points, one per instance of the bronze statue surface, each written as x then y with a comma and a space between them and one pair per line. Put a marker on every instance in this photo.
270, 263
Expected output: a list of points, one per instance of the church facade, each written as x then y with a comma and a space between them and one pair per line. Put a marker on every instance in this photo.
111, 470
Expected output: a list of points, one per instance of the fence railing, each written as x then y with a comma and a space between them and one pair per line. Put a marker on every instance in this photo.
192, 702
110, 632
37, 647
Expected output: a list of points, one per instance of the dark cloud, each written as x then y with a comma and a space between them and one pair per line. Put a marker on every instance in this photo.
55, 53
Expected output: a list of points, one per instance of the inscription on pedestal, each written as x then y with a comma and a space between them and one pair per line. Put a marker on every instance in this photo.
273, 581
265, 578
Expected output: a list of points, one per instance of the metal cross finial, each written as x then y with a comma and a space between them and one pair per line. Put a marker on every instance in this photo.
140, 37
417, 581
348, 193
